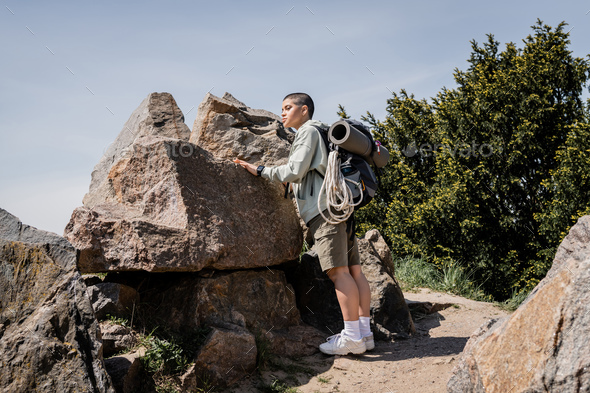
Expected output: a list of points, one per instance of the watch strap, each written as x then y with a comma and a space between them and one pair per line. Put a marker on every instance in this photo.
259, 170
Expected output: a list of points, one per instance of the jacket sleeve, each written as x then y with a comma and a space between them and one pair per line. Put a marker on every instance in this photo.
300, 158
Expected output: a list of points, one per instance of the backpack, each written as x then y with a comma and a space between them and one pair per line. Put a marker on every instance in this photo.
357, 171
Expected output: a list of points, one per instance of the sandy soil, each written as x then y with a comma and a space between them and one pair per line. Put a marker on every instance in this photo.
421, 364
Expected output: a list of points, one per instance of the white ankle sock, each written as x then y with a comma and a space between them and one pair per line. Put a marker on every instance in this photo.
365, 326
352, 330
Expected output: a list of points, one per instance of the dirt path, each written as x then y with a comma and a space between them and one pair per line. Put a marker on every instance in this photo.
421, 364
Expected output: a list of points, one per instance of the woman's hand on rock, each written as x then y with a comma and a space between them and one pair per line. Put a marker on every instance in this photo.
249, 167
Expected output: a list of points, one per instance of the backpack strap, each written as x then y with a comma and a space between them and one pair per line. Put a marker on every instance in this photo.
324, 136
351, 225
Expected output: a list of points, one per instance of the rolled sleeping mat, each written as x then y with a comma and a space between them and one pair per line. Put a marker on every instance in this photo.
349, 138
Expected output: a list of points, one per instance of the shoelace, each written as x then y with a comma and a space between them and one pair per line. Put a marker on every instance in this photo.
333, 338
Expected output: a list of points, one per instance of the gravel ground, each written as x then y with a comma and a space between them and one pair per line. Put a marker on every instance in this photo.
421, 364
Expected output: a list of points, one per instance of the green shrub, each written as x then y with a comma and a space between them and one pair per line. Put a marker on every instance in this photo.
163, 357
492, 173
514, 301
417, 272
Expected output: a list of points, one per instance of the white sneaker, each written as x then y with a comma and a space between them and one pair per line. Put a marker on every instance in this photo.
369, 342
340, 344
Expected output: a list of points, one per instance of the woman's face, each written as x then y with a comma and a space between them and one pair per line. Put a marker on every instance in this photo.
294, 115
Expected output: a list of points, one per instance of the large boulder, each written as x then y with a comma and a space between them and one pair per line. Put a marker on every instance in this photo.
49, 337
294, 341
259, 300
390, 315
316, 296
116, 338
173, 206
229, 129
112, 299
128, 374
225, 358
159, 115
544, 346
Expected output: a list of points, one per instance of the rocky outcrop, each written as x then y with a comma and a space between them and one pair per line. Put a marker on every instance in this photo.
113, 299
49, 337
294, 341
173, 206
128, 374
316, 297
260, 301
158, 115
229, 129
225, 358
544, 346
576, 243
390, 315
254, 307
116, 338
202, 242
315, 293
373, 245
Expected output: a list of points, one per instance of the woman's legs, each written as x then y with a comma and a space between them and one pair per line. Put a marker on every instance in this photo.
347, 292
363, 289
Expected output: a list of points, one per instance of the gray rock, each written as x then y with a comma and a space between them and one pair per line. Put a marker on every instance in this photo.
116, 338
575, 243
113, 299
294, 341
466, 377
390, 315
49, 337
158, 115
228, 128
377, 247
545, 344
426, 308
127, 373
257, 300
225, 358
91, 279
315, 294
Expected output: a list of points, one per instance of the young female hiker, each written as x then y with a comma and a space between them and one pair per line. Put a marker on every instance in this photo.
335, 244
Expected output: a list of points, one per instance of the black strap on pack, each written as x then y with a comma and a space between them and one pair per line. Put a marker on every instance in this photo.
287, 190
351, 226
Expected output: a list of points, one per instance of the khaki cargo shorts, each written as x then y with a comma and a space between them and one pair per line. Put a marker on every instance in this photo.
333, 244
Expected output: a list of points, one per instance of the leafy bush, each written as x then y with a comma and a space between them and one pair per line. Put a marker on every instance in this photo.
489, 176
163, 357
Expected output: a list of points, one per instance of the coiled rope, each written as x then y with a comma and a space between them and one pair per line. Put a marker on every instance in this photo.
338, 194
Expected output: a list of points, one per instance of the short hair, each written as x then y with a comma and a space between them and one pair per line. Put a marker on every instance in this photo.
301, 99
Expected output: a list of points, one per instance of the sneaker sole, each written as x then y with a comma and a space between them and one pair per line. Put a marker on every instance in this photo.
355, 351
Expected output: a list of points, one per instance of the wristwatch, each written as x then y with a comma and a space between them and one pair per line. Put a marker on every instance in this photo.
259, 170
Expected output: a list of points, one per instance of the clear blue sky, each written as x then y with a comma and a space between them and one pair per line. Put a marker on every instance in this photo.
73, 71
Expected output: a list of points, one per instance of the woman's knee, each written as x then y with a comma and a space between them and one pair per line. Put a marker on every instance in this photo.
356, 271
337, 272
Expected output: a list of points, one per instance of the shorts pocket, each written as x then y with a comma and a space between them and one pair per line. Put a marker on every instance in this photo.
325, 230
